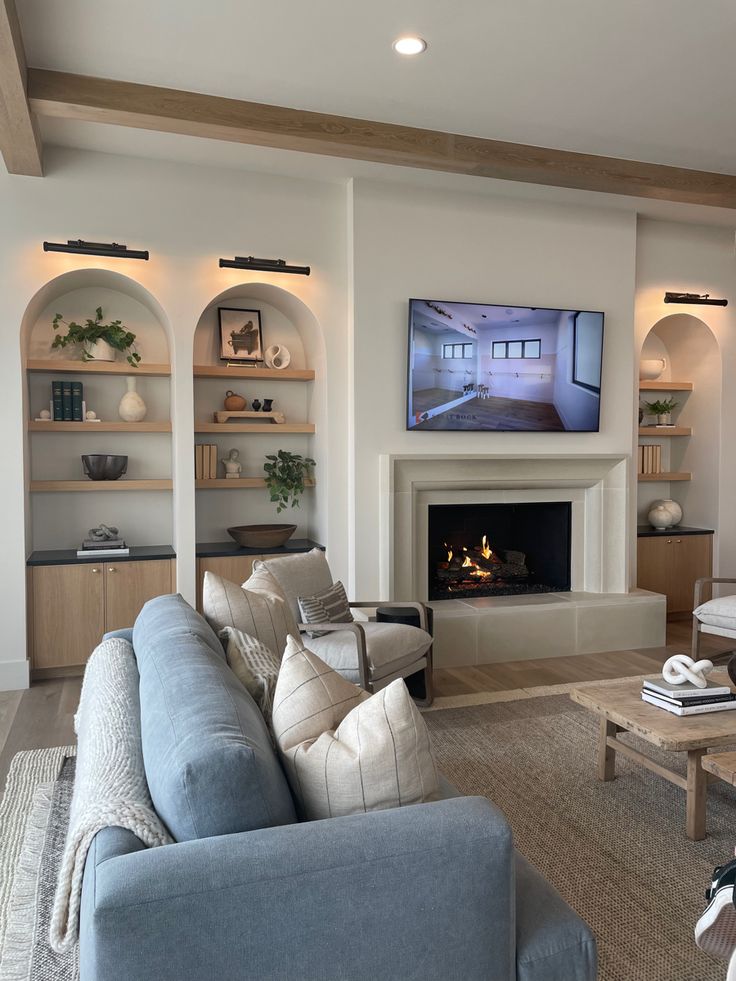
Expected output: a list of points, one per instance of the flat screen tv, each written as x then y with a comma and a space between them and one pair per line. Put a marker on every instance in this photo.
486, 367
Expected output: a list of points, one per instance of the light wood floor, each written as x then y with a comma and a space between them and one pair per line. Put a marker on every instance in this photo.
494, 413
43, 715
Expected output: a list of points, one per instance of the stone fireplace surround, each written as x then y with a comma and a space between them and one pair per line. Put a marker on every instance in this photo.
600, 613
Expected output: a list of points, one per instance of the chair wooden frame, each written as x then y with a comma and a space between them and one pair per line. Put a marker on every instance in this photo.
699, 627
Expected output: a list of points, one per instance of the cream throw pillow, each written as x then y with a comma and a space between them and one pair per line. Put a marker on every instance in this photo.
255, 665
263, 615
346, 751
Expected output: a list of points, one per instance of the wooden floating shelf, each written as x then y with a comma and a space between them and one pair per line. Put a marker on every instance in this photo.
242, 483
66, 486
665, 431
664, 477
97, 367
657, 386
99, 427
258, 374
255, 427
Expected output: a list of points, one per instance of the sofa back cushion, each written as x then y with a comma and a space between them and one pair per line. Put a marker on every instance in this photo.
302, 574
209, 760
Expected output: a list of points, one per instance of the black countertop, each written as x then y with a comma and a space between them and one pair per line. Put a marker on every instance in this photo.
646, 531
68, 556
211, 549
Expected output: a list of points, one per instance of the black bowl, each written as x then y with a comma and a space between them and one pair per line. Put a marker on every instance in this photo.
104, 466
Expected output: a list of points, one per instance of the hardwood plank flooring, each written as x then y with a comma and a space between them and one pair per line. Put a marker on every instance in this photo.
499, 414
429, 398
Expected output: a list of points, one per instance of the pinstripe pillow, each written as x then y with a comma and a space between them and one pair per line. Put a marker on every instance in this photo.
255, 665
262, 615
329, 606
346, 751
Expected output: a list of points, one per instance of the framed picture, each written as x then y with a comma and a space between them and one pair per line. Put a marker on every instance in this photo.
240, 335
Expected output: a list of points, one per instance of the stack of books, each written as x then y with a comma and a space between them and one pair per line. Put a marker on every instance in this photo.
650, 458
67, 401
109, 547
205, 461
688, 699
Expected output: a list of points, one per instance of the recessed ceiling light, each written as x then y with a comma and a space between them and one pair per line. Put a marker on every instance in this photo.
410, 45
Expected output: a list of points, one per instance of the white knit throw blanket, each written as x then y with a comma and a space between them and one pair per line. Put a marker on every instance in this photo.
110, 788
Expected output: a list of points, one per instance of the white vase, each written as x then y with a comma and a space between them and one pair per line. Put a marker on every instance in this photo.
132, 408
100, 351
652, 368
672, 508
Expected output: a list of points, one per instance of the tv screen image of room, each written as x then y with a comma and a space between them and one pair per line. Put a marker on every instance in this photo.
486, 367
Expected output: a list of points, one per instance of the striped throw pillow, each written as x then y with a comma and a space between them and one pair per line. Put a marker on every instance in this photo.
329, 606
255, 665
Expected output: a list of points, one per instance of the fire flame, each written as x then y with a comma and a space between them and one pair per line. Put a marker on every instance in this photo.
485, 550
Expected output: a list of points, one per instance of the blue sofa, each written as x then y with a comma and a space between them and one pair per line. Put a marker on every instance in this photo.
431, 891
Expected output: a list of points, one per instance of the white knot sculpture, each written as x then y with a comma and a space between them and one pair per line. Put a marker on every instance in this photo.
680, 668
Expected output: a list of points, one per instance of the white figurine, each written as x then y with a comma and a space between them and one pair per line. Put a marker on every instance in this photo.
44, 414
91, 416
232, 464
680, 668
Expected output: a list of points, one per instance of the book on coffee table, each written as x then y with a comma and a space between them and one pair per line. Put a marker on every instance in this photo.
701, 708
658, 686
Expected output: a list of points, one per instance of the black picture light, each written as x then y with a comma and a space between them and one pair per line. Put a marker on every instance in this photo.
263, 265
702, 298
78, 246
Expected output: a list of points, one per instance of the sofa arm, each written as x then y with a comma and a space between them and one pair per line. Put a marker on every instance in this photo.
424, 892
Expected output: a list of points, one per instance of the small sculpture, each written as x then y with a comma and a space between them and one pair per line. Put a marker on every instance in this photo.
45, 415
103, 533
91, 416
267, 405
255, 405
232, 464
681, 669
277, 356
234, 402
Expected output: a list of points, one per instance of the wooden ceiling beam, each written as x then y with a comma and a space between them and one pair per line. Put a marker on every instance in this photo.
191, 114
20, 143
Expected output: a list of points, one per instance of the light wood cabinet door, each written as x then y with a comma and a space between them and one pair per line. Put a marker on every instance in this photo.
671, 563
235, 568
68, 614
128, 585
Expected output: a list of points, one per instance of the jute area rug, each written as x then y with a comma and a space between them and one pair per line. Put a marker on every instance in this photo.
617, 852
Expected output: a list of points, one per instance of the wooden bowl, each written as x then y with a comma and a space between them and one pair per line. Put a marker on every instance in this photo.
261, 536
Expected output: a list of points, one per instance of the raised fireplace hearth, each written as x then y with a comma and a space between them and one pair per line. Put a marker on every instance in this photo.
504, 549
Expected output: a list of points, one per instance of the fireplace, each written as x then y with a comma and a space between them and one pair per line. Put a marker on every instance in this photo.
498, 549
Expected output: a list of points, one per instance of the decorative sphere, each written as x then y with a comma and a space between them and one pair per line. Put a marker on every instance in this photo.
672, 506
659, 517
91, 415
44, 414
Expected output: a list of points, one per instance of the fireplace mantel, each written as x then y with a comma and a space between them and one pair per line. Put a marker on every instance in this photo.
597, 487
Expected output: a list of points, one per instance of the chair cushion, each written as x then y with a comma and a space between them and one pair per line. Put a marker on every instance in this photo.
329, 606
718, 612
210, 763
345, 751
552, 942
302, 574
256, 666
259, 613
390, 647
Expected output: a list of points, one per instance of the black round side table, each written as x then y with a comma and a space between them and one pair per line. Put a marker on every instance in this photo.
419, 683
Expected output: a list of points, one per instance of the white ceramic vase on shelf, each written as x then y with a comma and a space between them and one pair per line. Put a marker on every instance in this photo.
132, 408
664, 513
651, 368
100, 351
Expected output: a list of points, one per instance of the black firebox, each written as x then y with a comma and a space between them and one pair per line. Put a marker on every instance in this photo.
498, 549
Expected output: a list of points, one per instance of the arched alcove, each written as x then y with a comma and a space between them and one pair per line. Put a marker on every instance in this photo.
692, 354
57, 515
285, 320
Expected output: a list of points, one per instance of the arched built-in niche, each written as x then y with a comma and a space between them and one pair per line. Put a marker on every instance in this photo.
60, 519
692, 354
285, 320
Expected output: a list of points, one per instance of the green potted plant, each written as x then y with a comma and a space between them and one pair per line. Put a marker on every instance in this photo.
98, 341
662, 409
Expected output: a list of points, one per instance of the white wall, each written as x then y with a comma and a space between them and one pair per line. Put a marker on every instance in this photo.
416, 242
577, 406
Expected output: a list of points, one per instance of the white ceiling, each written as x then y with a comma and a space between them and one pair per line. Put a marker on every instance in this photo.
647, 80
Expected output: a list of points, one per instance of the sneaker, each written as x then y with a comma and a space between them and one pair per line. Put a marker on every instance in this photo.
715, 931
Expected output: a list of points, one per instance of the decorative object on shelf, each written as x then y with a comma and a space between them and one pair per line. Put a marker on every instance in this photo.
91, 416
651, 368
681, 670
77, 246
263, 265
672, 510
267, 405
285, 476
205, 461
641, 415
240, 335
132, 408
256, 405
103, 540
104, 466
232, 464
261, 536
276, 417
277, 356
44, 415
234, 402
98, 341
662, 409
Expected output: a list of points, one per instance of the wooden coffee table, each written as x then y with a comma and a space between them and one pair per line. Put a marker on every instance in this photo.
620, 707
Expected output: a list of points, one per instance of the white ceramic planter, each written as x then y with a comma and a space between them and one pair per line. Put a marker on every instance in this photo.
651, 369
100, 351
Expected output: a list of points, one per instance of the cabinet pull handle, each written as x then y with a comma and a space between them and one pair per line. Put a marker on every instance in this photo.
112, 569
678, 542
95, 570
669, 541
